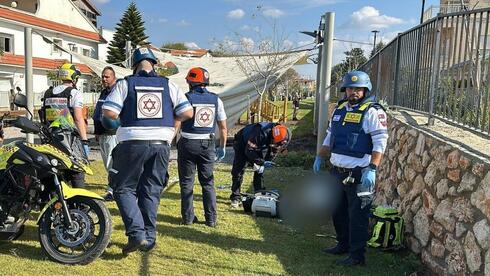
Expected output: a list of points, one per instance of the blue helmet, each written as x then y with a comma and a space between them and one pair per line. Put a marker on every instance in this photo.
142, 54
110, 124
356, 79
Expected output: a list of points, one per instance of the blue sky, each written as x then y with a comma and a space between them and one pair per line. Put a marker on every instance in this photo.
203, 23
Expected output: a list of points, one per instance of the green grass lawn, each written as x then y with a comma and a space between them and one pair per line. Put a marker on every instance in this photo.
241, 243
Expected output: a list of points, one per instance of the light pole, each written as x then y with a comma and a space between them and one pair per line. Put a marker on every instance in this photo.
374, 44
422, 12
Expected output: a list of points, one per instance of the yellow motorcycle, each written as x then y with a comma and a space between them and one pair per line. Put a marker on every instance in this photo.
74, 225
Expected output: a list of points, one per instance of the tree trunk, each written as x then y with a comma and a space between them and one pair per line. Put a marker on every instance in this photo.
259, 117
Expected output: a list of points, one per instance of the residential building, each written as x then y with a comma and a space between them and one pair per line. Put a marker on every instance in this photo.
53, 22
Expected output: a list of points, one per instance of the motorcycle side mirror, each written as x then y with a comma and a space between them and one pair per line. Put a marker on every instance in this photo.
20, 100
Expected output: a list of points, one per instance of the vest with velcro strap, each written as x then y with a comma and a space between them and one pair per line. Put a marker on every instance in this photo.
205, 106
55, 105
148, 102
347, 135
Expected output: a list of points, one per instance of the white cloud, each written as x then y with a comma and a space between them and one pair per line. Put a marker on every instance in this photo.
192, 45
102, 1
305, 42
370, 18
245, 27
162, 20
287, 44
247, 43
183, 23
236, 14
273, 12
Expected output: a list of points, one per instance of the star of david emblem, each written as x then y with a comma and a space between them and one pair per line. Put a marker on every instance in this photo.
149, 105
204, 117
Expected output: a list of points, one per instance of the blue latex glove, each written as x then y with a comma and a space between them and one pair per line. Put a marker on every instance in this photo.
368, 178
268, 164
86, 149
317, 165
220, 154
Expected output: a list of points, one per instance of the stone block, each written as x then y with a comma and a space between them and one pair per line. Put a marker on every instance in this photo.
472, 253
437, 248
454, 175
419, 147
478, 169
464, 162
429, 202
453, 159
467, 183
482, 233
462, 210
443, 215
421, 227
442, 188
481, 197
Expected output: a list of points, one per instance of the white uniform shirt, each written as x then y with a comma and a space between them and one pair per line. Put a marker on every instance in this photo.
76, 99
220, 116
375, 124
115, 100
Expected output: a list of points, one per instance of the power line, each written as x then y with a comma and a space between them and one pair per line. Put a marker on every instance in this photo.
351, 41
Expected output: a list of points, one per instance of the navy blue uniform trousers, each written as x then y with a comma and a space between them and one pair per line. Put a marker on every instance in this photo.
350, 221
240, 162
200, 154
138, 178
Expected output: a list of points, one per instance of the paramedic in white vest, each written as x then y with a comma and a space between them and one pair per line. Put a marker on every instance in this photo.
356, 140
196, 147
147, 106
67, 98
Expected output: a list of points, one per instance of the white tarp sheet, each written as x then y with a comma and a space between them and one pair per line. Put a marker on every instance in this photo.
236, 91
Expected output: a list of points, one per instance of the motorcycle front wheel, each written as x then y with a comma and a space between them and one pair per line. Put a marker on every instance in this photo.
87, 237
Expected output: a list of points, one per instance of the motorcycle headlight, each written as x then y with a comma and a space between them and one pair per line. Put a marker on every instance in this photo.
54, 162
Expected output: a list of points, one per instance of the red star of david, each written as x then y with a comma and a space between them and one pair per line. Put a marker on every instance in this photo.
149, 105
204, 117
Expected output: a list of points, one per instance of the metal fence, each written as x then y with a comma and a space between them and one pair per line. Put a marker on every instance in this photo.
440, 67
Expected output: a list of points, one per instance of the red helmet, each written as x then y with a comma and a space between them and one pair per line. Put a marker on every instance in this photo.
280, 134
197, 76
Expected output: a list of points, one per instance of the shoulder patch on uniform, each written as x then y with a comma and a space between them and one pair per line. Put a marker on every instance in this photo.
378, 106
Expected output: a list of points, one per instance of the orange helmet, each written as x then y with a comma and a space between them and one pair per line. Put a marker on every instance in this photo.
197, 76
280, 134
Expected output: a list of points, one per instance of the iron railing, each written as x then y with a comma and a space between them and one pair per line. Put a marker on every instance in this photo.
440, 67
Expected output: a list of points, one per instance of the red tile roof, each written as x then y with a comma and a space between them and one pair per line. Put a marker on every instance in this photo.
41, 63
54, 26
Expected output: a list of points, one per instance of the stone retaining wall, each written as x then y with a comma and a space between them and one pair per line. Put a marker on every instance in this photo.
443, 193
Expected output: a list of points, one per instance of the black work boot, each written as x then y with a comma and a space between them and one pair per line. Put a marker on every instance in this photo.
337, 250
134, 245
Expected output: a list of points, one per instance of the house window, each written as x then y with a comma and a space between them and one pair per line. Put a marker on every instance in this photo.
74, 49
6, 43
58, 42
86, 52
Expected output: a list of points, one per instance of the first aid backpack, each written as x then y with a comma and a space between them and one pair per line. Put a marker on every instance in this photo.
387, 229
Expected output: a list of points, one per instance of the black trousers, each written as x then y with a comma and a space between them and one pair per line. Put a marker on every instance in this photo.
350, 221
138, 177
239, 164
200, 154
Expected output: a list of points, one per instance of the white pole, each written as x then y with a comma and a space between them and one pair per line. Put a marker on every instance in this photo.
326, 64
28, 75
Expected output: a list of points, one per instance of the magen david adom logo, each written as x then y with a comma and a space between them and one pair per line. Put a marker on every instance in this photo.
204, 117
149, 105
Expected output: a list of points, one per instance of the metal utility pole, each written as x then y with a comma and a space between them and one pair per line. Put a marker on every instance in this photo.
28, 76
128, 54
422, 12
326, 65
374, 44
317, 90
